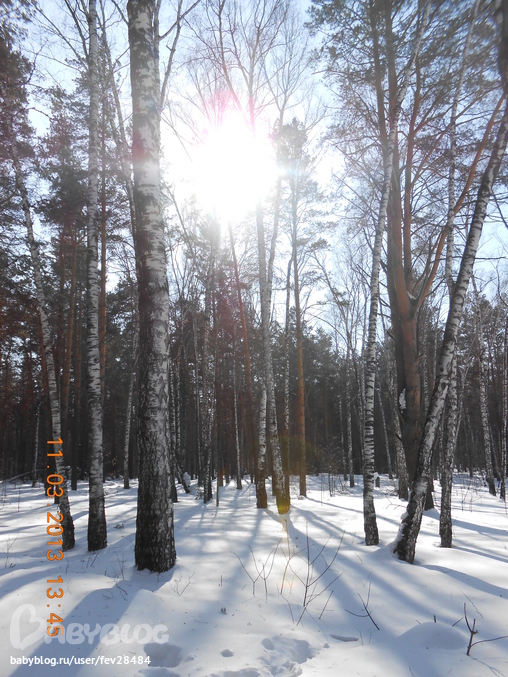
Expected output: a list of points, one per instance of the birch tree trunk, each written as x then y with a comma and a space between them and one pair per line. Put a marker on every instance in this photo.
349, 421
208, 391
370, 525
445, 518
282, 493
385, 431
76, 421
127, 437
197, 401
286, 377
483, 377
54, 401
261, 467
173, 449
36, 444
452, 420
400, 457
300, 392
155, 544
128, 414
66, 372
97, 531
405, 543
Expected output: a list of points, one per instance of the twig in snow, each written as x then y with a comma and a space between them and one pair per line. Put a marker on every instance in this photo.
366, 607
474, 632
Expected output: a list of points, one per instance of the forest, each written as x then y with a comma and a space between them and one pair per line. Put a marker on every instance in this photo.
240, 241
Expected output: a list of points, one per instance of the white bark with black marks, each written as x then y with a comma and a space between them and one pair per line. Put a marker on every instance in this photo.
405, 543
128, 414
385, 430
445, 518
483, 378
349, 420
54, 400
400, 457
207, 407
155, 545
282, 491
261, 469
97, 531
452, 420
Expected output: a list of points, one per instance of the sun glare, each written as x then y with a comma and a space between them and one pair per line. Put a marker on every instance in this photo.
233, 169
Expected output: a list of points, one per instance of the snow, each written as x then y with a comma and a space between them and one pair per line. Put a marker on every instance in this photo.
402, 400
233, 604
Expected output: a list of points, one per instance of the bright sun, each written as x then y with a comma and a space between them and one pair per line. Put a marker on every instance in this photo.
233, 169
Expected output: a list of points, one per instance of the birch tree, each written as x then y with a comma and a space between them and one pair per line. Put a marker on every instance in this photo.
97, 533
13, 101
483, 384
208, 404
155, 544
95, 339
405, 544
452, 420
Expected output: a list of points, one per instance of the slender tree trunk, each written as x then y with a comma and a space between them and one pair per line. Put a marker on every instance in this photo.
400, 457
127, 433
282, 494
261, 469
97, 532
445, 518
482, 357
286, 377
56, 430
300, 392
274, 238
197, 400
235, 416
424, 355
155, 544
208, 390
408, 533
174, 452
385, 431
178, 419
371, 532
261, 497
342, 443
36, 444
349, 421
66, 374
452, 420
102, 297
76, 422
128, 413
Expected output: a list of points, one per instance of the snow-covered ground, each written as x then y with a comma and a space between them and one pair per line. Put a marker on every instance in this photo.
251, 596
